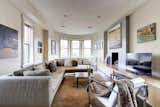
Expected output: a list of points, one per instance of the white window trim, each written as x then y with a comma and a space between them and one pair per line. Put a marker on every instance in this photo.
81, 48
30, 45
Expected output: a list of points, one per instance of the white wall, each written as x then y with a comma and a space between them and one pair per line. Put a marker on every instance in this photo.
53, 36
146, 15
11, 17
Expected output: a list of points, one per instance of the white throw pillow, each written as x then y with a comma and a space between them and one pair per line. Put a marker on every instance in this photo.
80, 61
68, 62
86, 62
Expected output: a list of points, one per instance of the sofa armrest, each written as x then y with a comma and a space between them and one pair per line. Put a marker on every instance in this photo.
28, 91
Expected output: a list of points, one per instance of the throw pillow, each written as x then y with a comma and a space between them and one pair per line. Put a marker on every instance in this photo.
68, 63
80, 61
74, 63
52, 67
60, 62
86, 62
18, 73
36, 73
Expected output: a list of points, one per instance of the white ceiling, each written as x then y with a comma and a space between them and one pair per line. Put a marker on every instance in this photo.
79, 14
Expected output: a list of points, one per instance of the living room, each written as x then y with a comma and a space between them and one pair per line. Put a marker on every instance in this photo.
101, 35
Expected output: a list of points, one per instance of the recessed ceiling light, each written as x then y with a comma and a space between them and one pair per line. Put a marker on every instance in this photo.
65, 15
63, 26
98, 17
90, 27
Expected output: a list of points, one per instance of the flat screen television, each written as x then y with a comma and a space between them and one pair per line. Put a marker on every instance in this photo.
139, 63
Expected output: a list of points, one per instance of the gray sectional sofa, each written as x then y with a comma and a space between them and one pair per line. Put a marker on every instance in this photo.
33, 86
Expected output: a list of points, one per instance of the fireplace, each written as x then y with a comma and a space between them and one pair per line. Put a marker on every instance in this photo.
115, 58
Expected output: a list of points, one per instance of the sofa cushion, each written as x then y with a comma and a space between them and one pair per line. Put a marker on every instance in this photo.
42, 73
36, 73
68, 63
28, 73
40, 67
20, 71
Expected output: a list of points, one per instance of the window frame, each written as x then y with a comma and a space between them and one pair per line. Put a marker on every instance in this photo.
81, 48
72, 48
68, 48
29, 43
87, 48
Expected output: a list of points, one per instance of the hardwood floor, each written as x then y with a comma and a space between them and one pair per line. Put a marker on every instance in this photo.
70, 96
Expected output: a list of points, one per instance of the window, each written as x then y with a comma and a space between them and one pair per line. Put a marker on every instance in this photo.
64, 48
75, 48
28, 45
87, 48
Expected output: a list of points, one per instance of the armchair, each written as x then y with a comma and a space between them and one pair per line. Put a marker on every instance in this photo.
112, 100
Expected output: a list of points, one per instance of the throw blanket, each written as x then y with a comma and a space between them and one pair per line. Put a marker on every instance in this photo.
126, 95
99, 90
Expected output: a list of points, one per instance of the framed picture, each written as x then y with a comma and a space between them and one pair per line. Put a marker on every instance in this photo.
40, 47
115, 37
8, 42
53, 47
147, 33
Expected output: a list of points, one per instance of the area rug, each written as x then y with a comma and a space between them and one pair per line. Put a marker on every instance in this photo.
69, 95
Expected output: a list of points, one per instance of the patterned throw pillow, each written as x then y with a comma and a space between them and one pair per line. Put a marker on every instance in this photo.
18, 73
52, 67
60, 62
74, 63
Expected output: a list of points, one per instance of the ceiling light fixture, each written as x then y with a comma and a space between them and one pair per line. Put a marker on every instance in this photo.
62, 26
90, 27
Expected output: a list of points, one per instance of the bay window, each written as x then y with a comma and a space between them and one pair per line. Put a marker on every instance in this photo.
75, 48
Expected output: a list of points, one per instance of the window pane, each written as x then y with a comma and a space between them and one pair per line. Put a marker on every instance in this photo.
75, 44
75, 48
28, 45
87, 52
26, 54
64, 49
26, 34
87, 43
64, 44
64, 53
75, 53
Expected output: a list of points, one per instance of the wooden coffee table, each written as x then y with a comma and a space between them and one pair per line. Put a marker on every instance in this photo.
81, 75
